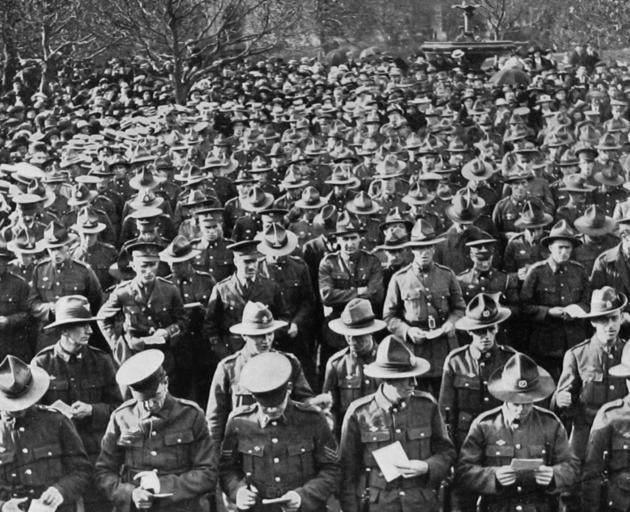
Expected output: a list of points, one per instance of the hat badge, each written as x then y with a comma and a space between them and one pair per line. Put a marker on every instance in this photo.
608, 304
486, 313
265, 319
522, 384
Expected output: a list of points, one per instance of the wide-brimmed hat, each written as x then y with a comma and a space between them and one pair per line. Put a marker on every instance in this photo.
256, 320
622, 369
291, 180
276, 240
609, 176
257, 199
464, 209
179, 250
326, 218
483, 310
21, 385
519, 175
520, 381
395, 216
266, 377
395, 361
594, 222
70, 310
362, 204
347, 225
477, 169
145, 179
417, 195
604, 301
341, 178
391, 167
576, 183
357, 319
311, 199
560, 231
423, 235
608, 142
56, 235
87, 222
24, 243
533, 215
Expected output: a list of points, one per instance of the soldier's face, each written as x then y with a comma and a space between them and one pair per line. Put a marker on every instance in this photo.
519, 411
59, 255
482, 264
145, 269
246, 266
399, 389
155, 403
519, 189
349, 244
76, 336
483, 339
607, 328
560, 250
423, 256
259, 344
360, 344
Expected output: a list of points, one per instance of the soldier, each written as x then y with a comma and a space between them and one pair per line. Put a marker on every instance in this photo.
366, 212
597, 236
464, 392
258, 329
98, 255
214, 257
345, 275
293, 277
395, 413
151, 307
550, 287
156, 452
57, 276
423, 302
507, 210
277, 449
193, 357
43, 458
228, 299
26, 252
82, 378
345, 377
518, 429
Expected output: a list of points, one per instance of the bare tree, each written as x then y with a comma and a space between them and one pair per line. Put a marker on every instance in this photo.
8, 23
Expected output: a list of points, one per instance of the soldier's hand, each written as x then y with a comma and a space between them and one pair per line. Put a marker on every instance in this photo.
52, 497
293, 503
142, 498
363, 291
81, 410
416, 335
149, 481
3, 321
544, 475
413, 468
162, 333
447, 327
13, 505
556, 312
522, 272
246, 498
564, 399
505, 475
292, 331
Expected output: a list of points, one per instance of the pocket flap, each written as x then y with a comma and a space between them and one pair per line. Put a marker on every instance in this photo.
620, 443
183, 437
246, 447
51, 450
411, 294
375, 436
499, 451
58, 384
463, 381
623, 481
593, 376
298, 449
7, 457
419, 433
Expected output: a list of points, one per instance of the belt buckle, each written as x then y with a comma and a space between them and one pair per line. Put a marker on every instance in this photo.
431, 322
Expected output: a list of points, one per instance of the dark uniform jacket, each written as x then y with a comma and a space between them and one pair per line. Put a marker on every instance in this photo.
611, 269
226, 393
547, 285
99, 257
14, 338
472, 282
40, 450
297, 453
373, 422
144, 313
491, 443
214, 258
88, 376
587, 252
520, 253
425, 299
173, 442
453, 252
464, 392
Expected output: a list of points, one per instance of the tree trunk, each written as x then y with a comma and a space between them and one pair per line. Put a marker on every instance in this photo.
9, 47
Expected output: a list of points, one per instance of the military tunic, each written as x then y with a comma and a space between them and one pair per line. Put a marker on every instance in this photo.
214, 258
14, 336
99, 257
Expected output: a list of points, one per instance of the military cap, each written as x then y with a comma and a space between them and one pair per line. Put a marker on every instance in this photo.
142, 373
521, 381
266, 377
148, 250
482, 311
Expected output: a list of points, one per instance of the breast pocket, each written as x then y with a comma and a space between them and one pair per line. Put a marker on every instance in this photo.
420, 442
499, 455
58, 390
48, 464
177, 449
8, 305
374, 439
301, 461
549, 296
620, 446
593, 388
349, 390
340, 281
415, 305
92, 389
468, 392
252, 455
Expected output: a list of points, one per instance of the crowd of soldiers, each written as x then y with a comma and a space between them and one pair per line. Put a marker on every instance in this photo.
385, 285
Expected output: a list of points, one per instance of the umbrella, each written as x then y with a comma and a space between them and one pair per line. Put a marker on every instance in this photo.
510, 76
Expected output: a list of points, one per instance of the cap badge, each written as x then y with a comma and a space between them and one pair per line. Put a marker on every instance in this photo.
522, 384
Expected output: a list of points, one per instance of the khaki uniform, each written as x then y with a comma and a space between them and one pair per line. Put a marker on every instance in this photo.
14, 337
215, 258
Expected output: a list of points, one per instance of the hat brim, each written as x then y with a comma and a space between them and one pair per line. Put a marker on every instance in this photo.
73, 202
353, 209
468, 324
546, 220
616, 182
285, 250
420, 367
544, 388
14, 248
305, 206
424, 243
337, 325
608, 227
456, 218
248, 207
545, 241
43, 244
599, 314
97, 229
246, 330
169, 258
135, 183
38, 388
72, 321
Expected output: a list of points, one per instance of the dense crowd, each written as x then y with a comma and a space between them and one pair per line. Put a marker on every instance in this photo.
389, 285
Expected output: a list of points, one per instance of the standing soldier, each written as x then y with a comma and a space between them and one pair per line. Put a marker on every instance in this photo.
193, 357
214, 257
424, 300
596, 234
156, 453
395, 413
518, 429
345, 377
151, 307
228, 299
82, 377
57, 276
42, 455
277, 449
550, 286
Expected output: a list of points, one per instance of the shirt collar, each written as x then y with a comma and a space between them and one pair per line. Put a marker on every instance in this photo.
64, 355
264, 420
509, 418
555, 267
476, 354
385, 403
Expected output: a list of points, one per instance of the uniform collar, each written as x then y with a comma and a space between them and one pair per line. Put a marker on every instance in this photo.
476, 354
556, 267
264, 420
385, 403
64, 355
